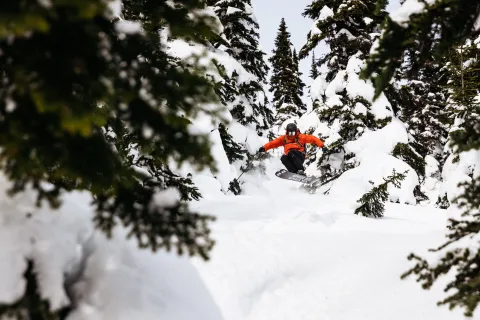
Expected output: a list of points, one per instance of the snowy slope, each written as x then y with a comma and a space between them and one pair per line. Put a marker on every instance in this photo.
284, 254
280, 254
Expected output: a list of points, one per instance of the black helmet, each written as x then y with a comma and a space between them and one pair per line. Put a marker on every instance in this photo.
291, 129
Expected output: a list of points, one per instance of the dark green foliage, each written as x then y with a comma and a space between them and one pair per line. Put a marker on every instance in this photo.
442, 202
335, 154
373, 202
234, 150
235, 187
158, 222
464, 75
348, 28
262, 115
246, 100
299, 86
229, 90
254, 162
349, 16
422, 104
152, 161
314, 73
451, 21
465, 286
54, 130
79, 96
406, 153
419, 195
271, 136
352, 127
31, 306
353, 123
285, 82
241, 33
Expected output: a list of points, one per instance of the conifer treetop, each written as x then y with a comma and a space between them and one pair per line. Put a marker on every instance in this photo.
314, 73
285, 82
283, 46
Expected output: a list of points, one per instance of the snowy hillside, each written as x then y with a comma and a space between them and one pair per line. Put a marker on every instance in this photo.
280, 254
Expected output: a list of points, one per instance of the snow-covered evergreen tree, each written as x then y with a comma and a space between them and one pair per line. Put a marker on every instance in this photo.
241, 34
314, 73
285, 82
372, 203
461, 183
242, 70
347, 26
340, 99
442, 27
300, 85
420, 100
451, 20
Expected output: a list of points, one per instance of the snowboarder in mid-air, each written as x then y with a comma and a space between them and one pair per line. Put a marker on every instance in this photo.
293, 143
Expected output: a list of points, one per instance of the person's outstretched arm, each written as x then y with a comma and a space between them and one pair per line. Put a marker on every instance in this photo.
278, 142
313, 140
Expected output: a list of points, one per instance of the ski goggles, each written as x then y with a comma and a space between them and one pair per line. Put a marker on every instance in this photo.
291, 133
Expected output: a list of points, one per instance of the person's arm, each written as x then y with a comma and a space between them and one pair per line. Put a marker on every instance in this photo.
313, 140
274, 143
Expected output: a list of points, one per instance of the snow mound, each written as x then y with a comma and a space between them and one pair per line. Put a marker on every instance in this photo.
283, 254
101, 278
373, 152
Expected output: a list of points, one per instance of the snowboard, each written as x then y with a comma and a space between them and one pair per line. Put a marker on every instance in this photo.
285, 174
311, 184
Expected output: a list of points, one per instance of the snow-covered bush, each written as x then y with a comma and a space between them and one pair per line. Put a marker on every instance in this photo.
373, 202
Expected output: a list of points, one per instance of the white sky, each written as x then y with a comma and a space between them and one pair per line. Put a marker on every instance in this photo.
270, 12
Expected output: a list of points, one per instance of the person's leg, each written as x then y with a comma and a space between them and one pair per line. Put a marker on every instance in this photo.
297, 158
287, 162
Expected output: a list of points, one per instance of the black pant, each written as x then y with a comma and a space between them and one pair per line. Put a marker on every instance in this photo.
293, 161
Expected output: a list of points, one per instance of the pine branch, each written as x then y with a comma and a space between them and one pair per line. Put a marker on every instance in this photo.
373, 202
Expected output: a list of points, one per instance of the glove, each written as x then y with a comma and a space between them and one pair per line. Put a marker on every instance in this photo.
262, 149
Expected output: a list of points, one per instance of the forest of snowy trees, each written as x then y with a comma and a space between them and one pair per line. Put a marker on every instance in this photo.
127, 101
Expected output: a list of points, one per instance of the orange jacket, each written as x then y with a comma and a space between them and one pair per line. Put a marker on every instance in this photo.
290, 143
